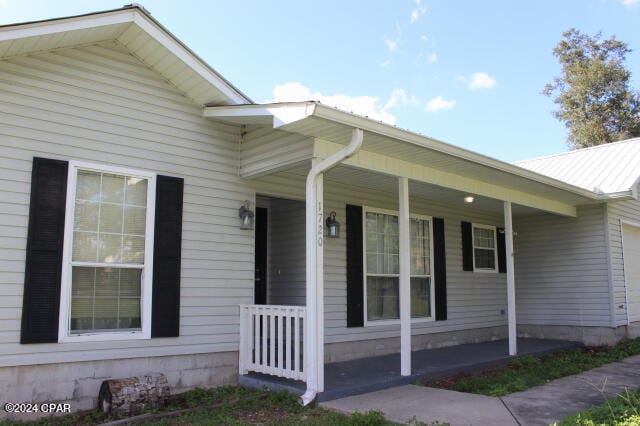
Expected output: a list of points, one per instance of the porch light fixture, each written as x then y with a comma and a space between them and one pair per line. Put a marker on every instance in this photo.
246, 216
333, 226
468, 199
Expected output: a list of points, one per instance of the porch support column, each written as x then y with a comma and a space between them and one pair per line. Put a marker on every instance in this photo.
511, 281
405, 276
314, 321
319, 320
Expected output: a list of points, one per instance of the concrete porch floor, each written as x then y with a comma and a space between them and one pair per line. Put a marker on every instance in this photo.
364, 375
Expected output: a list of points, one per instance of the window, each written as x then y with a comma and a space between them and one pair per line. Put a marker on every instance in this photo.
484, 248
106, 283
382, 274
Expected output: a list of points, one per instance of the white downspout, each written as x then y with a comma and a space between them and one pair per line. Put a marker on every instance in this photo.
314, 341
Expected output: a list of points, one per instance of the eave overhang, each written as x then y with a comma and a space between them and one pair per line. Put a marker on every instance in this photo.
332, 126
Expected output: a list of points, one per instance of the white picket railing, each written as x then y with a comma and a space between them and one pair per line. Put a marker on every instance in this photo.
271, 340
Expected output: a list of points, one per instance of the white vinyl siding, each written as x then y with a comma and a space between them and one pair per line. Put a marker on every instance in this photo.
100, 104
263, 150
616, 213
561, 269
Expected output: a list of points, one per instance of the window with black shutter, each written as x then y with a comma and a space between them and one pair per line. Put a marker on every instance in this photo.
92, 252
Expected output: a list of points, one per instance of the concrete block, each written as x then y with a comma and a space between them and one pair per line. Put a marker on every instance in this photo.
79, 382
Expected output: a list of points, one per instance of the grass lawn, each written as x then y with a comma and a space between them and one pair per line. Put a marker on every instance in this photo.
622, 411
525, 372
234, 406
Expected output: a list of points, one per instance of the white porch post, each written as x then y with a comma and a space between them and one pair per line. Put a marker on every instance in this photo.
405, 277
511, 281
314, 321
319, 321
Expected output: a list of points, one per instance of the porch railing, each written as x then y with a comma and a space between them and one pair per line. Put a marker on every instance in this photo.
271, 340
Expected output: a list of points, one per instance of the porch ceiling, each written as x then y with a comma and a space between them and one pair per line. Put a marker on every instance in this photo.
371, 180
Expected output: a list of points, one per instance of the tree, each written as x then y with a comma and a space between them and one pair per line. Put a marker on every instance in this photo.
595, 101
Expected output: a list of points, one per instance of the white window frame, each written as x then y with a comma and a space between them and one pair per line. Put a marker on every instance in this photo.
495, 248
64, 326
375, 323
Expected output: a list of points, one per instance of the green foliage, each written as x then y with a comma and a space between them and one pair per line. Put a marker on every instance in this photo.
593, 95
233, 406
371, 418
528, 371
622, 411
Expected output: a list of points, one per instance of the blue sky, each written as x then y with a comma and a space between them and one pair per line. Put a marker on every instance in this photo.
468, 73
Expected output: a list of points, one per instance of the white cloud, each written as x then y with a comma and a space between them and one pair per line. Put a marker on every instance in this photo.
438, 104
386, 62
479, 80
432, 58
392, 45
424, 38
417, 13
363, 105
400, 97
630, 3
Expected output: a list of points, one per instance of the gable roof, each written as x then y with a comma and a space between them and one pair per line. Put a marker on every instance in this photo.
612, 168
141, 34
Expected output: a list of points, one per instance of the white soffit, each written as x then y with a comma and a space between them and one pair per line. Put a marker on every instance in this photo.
142, 35
611, 168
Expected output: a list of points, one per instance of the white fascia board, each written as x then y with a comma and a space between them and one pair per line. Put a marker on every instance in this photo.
381, 163
291, 114
183, 53
353, 120
68, 24
618, 196
282, 114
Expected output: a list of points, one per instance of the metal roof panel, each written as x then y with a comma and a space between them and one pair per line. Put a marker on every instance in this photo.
609, 168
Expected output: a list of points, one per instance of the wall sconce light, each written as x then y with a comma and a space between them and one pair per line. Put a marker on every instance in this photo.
468, 199
333, 226
246, 216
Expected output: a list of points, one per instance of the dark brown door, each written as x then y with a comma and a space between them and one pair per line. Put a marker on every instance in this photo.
261, 257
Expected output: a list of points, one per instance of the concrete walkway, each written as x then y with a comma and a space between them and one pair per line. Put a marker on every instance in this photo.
408, 403
552, 402
541, 405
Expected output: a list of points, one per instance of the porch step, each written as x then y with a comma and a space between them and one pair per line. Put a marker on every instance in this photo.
365, 375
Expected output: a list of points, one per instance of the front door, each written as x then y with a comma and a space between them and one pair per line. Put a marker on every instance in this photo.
260, 294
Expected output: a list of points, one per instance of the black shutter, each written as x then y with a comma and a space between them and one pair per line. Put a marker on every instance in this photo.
502, 251
45, 242
467, 246
165, 314
355, 282
439, 269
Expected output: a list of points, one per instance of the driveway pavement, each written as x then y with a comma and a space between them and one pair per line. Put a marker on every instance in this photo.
540, 405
